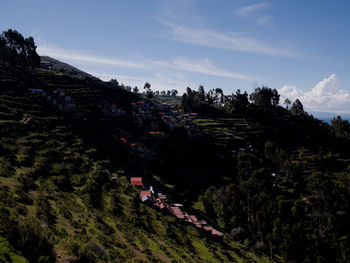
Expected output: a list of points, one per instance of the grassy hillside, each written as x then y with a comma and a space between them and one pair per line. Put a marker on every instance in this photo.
276, 181
65, 194
58, 66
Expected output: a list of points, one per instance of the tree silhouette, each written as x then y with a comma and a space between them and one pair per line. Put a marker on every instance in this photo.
136, 90
265, 97
147, 86
297, 108
18, 51
287, 103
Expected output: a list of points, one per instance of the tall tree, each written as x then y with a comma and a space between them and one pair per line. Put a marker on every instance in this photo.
136, 90
287, 103
17, 51
147, 86
297, 108
265, 97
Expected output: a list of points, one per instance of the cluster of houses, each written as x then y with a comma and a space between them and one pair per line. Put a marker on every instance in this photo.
57, 99
110, 109
163, 113
134, 146
160, 200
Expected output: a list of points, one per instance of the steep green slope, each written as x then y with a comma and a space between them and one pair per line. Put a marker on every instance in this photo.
65, 195
8, 254
276, 181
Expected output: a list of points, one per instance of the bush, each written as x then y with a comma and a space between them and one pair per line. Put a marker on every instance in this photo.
6, 169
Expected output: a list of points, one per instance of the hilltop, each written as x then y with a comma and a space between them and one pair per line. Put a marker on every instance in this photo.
58, 66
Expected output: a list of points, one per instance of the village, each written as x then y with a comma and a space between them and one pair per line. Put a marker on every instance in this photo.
161, 201
57, 99
158, 120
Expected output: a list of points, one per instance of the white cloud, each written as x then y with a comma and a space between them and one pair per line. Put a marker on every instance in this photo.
181, 64
76, 56
207, 68
326, 96
247, 10
230, 41
254, 14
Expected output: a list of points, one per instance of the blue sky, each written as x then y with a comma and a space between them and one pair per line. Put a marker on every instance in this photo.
299, 47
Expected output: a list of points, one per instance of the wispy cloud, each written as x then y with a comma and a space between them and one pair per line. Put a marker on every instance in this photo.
249, 9
76, 56
326, 96
230, 41
180, 64
255, 14
206, 67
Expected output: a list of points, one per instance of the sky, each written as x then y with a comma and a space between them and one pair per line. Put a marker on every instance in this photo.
300, 48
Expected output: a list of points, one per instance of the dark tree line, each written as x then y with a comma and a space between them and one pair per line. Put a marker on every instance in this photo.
262, 98
300, 218
18, 51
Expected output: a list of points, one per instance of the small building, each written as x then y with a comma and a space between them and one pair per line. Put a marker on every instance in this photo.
208, 228
36, 91
145, 193
145, 198
137, 181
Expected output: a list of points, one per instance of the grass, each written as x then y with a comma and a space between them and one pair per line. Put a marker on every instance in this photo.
53, 146
8, 254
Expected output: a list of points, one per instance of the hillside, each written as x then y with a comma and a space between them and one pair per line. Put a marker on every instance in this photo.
64, 179
58, 66
91, 171
275, 180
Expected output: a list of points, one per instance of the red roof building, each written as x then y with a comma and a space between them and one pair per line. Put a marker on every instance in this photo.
136, 181
193, 218
207, 228
145, 193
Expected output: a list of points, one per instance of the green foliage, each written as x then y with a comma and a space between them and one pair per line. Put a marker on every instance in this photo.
297, 108
17, 50
44, 211
26, 238
6, 168
341, 128
265, 97
8, 254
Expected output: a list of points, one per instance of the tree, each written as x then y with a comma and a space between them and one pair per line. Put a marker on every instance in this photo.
341, 128
239, 101
149, 92
18, 51
114, 81
201, 93
136, 90
147, 86
174, 92
297, 108
287, 103
275, 97
265, 97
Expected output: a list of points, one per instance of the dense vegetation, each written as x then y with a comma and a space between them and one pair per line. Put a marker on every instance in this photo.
277, 180
64, 191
